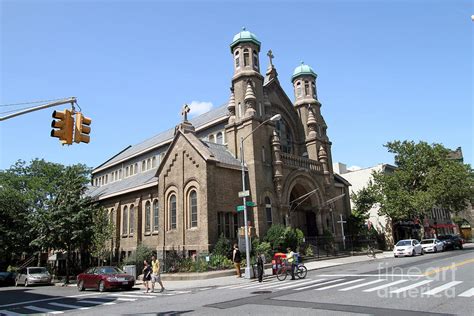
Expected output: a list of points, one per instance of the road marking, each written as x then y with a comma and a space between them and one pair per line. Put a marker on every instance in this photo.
299, 284
313, 285
406, 288
47, 299
272, 284
362, 285
126, 299
339, 284
129, 295
468, 293
452, 266
441, 288
44, 310
244, 285
385, 285
69, 306
9, 313
95, 302
206, 288
373, 275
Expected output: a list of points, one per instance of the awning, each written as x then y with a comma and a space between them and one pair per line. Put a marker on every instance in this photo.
444, 226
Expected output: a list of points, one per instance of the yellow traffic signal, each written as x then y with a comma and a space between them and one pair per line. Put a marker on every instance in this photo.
83, 129
64, 125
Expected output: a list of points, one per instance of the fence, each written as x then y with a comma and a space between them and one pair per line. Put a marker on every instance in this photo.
328, 246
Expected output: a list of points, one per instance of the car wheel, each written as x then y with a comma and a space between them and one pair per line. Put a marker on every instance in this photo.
80, 286
422, 252
413, 253
395, 256
435, 249
101, 286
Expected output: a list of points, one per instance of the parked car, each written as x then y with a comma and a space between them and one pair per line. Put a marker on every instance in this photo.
432, 245
451, 241
407, 247
33, 275
104, 278
7, 278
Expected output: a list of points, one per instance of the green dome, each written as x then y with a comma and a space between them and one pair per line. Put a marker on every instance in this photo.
303, 70
244, 36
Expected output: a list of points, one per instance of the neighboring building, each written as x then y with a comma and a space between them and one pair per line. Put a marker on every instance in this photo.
179, 189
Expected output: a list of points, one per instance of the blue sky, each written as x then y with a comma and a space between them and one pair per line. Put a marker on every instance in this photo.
387, 70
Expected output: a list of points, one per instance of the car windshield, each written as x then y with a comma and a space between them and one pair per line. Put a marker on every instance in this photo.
404, 243
427, 241
37, 270
109, 270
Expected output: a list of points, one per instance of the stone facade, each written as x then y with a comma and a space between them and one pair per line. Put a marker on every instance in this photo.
188, 197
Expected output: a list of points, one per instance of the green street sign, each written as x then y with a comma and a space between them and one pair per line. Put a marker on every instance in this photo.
250, 203
240, 208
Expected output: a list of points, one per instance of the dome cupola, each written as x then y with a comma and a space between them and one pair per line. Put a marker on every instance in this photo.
303, 70
244, 36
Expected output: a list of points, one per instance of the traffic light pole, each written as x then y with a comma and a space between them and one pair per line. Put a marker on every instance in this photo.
71, 100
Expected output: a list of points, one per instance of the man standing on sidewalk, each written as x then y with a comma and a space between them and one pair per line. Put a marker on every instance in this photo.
155, 276
237, 259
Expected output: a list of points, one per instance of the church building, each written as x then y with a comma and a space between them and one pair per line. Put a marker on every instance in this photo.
179, 190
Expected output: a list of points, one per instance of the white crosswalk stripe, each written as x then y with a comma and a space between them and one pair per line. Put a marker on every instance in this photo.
467, 293
96, 302
411, 286
279, 283
126, 299
9, 313
339, 284
318, 284
299, 284
441, 288
130, 295
69, 306
362, 285
385, 286
43, 310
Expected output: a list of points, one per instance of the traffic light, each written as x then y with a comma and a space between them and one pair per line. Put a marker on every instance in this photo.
83, 129
64, 125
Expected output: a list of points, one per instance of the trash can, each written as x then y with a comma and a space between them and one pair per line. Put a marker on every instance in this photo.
132, 270
277, 261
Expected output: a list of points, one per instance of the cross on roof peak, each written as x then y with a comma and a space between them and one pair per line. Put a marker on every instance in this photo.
185, 112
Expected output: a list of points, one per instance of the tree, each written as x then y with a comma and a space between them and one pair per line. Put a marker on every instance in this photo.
424, 178
363, 201
103, 231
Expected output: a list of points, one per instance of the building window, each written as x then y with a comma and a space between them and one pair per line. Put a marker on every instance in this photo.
227, 224
246, 57
219, 139
298, 89
125, 220
241, 110
120, 173
155, 216
172, 212
268, 211
194, 208
132, 219
153, 162
306, 88
148, 163
211, 139
314, 90
263, 153
255, 59
260, 109
147, 217
126, 172
136, 168
286, 140
237, 59
143, 165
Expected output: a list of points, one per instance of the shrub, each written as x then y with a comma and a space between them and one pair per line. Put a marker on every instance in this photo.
265, 248
275, 236
138, 256
220, 262
222, 247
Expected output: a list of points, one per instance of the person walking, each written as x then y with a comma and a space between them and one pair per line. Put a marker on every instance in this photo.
260, 262
146, 275
237, 259
155, 276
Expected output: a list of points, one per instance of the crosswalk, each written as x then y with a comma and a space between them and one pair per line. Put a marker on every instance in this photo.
82, 302
364, 284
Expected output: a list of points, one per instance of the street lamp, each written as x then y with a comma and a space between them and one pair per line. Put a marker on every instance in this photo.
248, 271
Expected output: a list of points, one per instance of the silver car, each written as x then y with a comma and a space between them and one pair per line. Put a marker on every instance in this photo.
33, 275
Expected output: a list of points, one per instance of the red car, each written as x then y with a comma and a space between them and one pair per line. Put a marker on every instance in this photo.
104, 278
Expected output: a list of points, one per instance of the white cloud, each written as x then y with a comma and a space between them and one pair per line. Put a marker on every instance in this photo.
198, 107
354, 168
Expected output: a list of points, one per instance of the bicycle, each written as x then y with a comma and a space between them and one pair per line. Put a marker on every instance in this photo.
370, 251
284, 270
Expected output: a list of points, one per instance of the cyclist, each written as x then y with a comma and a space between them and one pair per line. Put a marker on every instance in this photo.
291, 258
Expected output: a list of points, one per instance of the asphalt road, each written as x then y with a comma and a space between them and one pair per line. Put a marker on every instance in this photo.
434, 284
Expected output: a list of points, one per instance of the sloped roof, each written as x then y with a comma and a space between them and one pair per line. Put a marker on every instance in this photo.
153, 142
222, 154
134, 182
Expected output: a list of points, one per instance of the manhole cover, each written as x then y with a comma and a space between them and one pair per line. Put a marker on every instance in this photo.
261, 292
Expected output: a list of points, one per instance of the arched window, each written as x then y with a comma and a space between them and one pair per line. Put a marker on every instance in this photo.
193, 208
314, 90
111, 216
120, 173
268, 211
113, 176
147, 217
286, 140
255, 59
126, 172
132, 219
219, 138
306, 88
143, 165
136, 168
212, 139
148, 163
155, 216
237, 59
260, 109
172, 208
125, 220
298, 89
153, 162
246, 57
263, 153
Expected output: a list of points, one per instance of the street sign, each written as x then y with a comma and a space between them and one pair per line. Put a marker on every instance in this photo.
240, 208
244, 193
250, 203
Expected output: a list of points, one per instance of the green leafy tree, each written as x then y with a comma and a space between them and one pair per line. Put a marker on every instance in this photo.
424, 178
363, 201
103, 231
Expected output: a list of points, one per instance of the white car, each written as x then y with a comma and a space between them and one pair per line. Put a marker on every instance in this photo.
432, 245
407, 247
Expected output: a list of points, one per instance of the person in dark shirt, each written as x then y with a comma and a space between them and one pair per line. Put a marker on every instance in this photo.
237, 259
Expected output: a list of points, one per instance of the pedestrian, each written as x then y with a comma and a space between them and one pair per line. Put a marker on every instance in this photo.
260, 262
146, 275
155, 276
237, 259
290, 257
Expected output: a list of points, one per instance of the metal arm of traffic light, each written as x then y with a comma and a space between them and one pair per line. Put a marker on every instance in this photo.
71, 100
